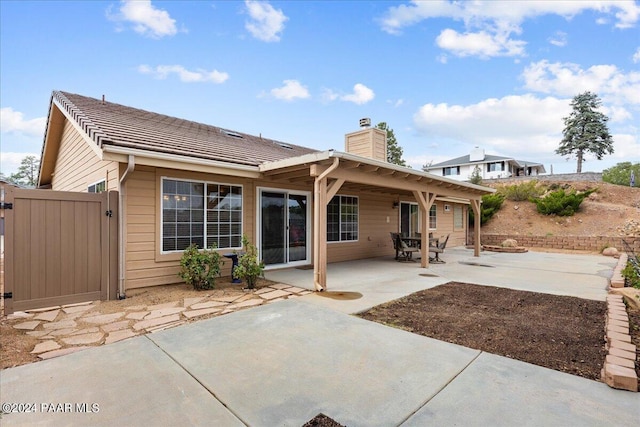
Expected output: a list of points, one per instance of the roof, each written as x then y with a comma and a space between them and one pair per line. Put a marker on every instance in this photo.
111, 124
488, 158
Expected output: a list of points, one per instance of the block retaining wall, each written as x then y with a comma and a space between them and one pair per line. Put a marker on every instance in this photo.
580, 243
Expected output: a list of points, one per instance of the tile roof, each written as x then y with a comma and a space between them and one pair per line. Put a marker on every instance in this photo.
113, 124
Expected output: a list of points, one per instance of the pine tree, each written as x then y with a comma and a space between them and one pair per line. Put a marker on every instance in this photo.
585, 130
394, 151
28, 172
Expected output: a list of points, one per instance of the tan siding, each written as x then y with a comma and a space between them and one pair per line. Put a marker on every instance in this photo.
77, 165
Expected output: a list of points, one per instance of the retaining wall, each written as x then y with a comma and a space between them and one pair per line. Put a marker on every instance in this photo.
580, 243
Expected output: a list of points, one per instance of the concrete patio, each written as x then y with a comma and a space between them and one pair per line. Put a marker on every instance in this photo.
285, 362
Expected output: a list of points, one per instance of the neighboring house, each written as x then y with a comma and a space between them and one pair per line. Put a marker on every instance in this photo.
182, 182
461, 168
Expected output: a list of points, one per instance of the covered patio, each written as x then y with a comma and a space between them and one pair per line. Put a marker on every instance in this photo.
331, 171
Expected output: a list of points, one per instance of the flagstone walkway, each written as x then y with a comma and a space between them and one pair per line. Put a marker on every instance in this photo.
70, 328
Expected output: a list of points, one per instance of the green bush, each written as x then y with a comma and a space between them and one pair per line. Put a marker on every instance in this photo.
522, 191
560, 202
620, 174
199, 268
491, 203
249, 269
631, 274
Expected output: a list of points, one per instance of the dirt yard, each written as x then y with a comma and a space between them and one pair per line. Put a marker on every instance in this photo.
557, 332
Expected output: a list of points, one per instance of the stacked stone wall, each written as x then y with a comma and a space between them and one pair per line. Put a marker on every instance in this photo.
580, 243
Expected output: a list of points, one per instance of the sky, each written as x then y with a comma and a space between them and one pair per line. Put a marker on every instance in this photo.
445, 76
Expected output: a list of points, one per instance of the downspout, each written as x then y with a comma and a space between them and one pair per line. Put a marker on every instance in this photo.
316, 256
122, 224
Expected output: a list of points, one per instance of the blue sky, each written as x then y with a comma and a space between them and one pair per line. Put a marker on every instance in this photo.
446, 76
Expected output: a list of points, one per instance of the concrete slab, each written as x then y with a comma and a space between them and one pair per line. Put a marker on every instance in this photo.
496, 390
285, 362
164, 394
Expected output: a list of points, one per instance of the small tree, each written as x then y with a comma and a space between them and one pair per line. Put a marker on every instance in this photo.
585, 130
394, 151
620, 174
200, 268
491, 203
249, 268
476, 176
28, 171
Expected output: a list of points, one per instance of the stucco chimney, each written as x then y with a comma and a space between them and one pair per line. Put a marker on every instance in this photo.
477, 154
367, 142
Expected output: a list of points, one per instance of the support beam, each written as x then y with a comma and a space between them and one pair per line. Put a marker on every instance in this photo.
333, 188
425, 200
475, 205
320, 202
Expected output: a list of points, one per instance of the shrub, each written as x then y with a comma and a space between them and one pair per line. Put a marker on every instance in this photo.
620, 174
491, 203
249, 268
522, 191
560, 202
631, 274
199, 268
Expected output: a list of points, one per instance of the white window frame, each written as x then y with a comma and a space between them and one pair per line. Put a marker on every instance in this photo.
340, 196
95, 185
205, 213
434, 208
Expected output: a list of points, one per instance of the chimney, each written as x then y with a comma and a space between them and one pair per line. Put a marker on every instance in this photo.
477, 155
367, 142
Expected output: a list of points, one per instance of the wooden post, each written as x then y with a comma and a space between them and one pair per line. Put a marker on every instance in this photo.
475, 205
425, 200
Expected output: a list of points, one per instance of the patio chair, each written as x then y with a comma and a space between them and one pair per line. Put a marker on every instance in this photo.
404, 252
438, 250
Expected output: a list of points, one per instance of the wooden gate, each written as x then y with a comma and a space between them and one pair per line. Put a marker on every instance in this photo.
59, 247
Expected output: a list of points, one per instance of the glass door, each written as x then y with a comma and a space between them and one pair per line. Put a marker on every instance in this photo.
409, 219
284, 225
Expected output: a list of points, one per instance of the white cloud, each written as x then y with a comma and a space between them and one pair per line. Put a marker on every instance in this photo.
482, 44
489, 24
636, 56
197, 76
559, 39
13, 122
292, 89
518, 125
361, 95
145, 18
566, 79
266, 22
11, 161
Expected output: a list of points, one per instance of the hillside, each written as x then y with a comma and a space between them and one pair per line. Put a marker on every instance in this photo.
613, 210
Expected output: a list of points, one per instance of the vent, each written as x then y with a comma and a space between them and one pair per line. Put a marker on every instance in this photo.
231, 133
283, 145
365, 122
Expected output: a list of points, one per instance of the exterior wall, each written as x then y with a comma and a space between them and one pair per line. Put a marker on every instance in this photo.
78, 166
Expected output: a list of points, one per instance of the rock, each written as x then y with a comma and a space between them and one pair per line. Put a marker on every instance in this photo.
610, 252
509, 243
516, 207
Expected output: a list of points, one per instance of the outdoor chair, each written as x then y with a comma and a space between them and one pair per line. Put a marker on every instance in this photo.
438, 250
404, 252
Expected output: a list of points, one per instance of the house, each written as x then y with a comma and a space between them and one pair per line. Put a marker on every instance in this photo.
181, 182
489, 166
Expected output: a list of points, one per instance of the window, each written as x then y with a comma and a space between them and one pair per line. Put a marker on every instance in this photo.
98, 187
342, 219
458, 217
202, 213
495, 167
455, 170
409, 219
432, 217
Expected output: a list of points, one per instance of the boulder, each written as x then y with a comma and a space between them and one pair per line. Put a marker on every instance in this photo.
610, 252
509, 243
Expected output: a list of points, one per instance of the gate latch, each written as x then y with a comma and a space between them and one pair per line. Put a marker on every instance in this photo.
5, 205
109, 213
7, 295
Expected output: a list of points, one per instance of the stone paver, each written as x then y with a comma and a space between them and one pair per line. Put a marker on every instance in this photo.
103, 318
137, 315
202, 312
228, 299
41, 310
279, 286
274, 294
80, 304
83, 339
62, 324
111, 327
188, 302
166, 326
27, 326
77, 309
86, 331
208, 304
249, 303
48, 316
263, 290
45, 346
19, 315
144, 324
136, 308
295, 289
37, 334
61, 332
116, 336
154, 314
61, 352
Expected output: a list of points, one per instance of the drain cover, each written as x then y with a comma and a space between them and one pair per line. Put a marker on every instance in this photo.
428, 275
476, 264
